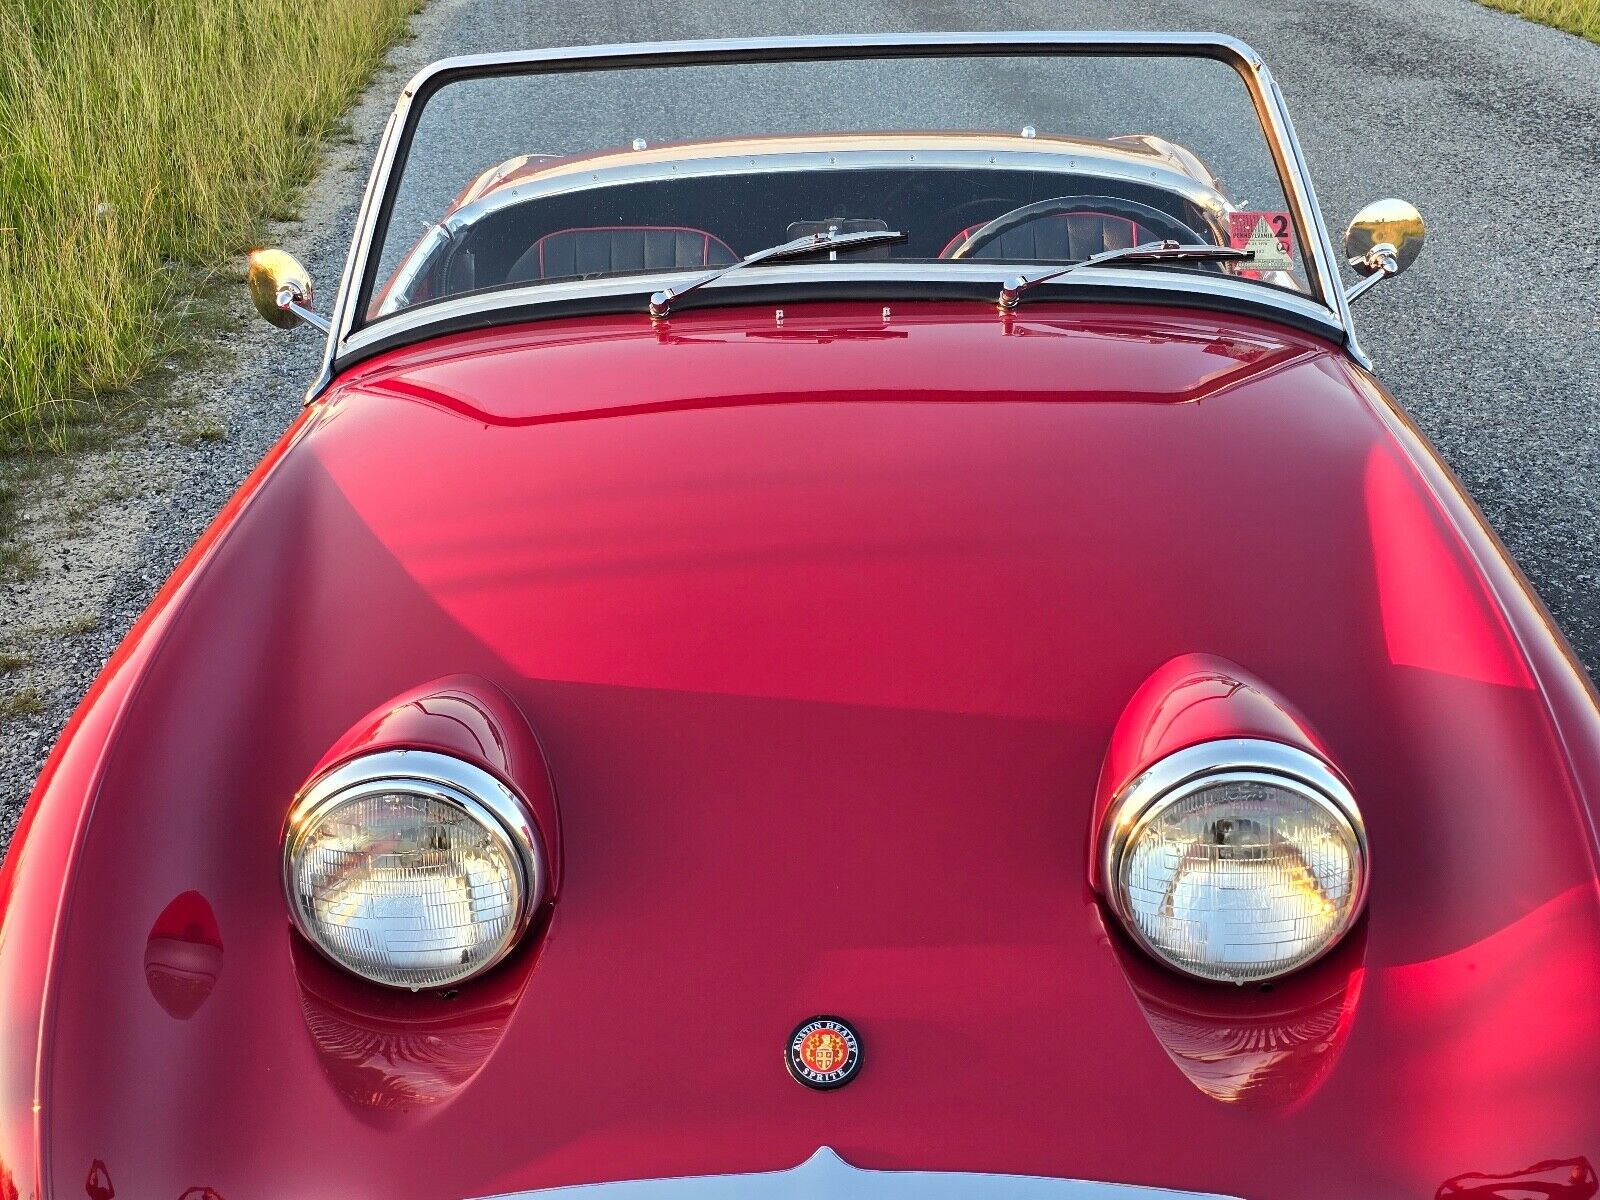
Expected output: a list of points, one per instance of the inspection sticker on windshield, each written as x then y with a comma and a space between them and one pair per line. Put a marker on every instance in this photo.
1268, 234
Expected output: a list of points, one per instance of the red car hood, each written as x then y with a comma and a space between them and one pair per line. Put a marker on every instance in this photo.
824, 624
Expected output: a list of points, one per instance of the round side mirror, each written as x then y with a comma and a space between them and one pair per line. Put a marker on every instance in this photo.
1386, 236
279, 287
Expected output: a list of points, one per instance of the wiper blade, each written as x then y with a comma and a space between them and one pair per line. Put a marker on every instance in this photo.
812, 243
1158, 253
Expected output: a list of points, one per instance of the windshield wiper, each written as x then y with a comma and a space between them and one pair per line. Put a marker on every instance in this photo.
661, 302
1159, 253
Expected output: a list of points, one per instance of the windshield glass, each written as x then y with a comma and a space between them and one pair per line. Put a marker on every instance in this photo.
657, 175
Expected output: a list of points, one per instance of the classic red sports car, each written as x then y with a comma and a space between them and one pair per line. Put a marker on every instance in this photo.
845, 618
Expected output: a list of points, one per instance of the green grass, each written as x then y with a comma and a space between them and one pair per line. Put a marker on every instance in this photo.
17, 562
1581, 17
192, 428
143, 143
21, 704
78, 625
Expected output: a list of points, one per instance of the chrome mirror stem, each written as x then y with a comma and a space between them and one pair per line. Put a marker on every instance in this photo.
1377, 264
291, 301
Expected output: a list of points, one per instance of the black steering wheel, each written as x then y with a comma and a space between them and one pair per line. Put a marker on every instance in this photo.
1160, 225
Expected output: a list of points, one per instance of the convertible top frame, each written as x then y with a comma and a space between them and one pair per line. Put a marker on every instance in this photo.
351, 340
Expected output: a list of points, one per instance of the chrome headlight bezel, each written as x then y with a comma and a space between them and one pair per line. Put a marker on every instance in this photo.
1207, 764
474, 792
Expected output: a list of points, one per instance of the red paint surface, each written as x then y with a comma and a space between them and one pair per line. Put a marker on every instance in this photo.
1264, 1051
751, 590
1192, 698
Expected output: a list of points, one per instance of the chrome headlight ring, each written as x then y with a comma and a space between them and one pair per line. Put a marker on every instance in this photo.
508, 867
1171, 924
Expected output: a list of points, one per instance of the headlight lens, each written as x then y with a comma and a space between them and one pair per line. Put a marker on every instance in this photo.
1238, 860
411, 869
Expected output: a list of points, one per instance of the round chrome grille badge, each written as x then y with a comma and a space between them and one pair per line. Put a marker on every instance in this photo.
824, 1053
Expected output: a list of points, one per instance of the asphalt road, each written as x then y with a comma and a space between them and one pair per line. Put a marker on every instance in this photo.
1489, 124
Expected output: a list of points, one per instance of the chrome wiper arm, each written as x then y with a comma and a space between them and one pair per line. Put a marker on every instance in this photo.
1146, 252
661, 302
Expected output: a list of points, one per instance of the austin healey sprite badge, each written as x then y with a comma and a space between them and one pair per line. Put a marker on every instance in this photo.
824, 1053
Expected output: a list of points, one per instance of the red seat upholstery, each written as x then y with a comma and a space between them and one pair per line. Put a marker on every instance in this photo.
619, 249
1063, 237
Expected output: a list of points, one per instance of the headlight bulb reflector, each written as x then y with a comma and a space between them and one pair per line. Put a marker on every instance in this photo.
1237, 861
411, 869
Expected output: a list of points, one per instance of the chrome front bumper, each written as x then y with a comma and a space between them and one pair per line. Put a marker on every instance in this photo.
826, 1176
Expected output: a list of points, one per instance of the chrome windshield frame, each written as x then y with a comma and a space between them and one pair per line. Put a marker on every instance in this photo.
350, 339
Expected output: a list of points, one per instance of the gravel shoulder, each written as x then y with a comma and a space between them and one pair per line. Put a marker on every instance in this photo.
1486, 122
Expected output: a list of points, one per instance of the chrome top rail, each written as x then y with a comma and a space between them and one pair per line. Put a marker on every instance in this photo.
358, 284
826, 1176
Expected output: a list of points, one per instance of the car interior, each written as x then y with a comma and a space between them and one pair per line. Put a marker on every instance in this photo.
685, 224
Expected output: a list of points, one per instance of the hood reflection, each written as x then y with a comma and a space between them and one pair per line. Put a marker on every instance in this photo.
97, 1186
1265, 1049
397, 1056
183, 955
1553, 1179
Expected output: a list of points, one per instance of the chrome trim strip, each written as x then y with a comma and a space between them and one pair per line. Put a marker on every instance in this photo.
432, 242
339, 316
1274, 116
1327, 256
474, 791
826, 1176
821, 276
1268, 101
1170, 779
